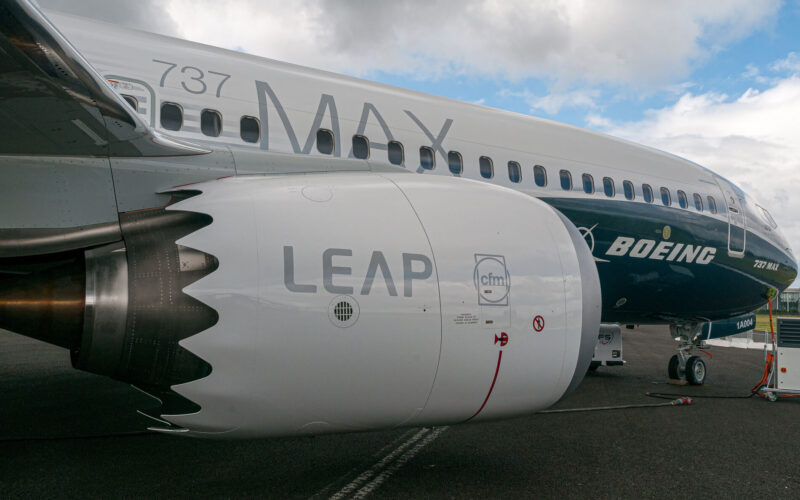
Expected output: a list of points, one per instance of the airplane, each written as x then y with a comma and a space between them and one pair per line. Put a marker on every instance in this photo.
272, 250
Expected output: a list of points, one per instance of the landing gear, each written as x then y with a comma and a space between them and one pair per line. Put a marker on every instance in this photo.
695, 371
673, 369
684, 366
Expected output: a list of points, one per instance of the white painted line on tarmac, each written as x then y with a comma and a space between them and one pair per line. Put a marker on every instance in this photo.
352, 472
384, 468
400, 462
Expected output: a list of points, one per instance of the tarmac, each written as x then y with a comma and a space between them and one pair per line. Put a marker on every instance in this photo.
65, 433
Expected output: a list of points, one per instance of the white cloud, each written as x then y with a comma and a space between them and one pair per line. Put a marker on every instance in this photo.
791, 63
142, 14
648, 43
553, 102
753, 140
753, 72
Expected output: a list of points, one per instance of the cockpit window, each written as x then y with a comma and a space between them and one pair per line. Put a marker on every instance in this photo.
767, 217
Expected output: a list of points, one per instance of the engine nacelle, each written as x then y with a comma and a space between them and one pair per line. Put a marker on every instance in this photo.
303, 304
362, 301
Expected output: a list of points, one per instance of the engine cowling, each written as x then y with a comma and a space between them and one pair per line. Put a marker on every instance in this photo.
279, 305
360, 301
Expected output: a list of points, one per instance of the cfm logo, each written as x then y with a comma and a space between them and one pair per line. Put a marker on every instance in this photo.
492, 280
662, 250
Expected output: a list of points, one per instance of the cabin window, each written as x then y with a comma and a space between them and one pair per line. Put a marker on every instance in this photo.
608, 187
627, 188
539, 175
455, 163
647, 193
427, 159
325, 141
211, 123
395, 150
360, 147
666, 197
171, 116
712, 204
682, 201
566, 180
132, 101
514, 171
486, 167
698, 202
588, 184
249, 129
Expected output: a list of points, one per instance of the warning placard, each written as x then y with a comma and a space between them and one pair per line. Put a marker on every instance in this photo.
466, 319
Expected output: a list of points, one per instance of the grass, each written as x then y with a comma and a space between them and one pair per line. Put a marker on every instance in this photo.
762, 320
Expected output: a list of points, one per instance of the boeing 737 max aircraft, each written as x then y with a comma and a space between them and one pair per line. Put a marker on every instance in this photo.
270, 249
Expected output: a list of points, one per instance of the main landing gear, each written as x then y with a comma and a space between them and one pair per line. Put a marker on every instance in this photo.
685, 366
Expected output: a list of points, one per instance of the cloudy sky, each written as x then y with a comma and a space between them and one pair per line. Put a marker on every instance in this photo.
716, 81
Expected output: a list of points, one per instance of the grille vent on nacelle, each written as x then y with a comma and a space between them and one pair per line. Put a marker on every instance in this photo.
343, 311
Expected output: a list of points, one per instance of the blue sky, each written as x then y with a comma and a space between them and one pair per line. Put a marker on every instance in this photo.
717, 82
725, 72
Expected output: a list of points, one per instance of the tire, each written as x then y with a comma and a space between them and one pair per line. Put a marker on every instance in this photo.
673, 367
593, 367
696, 371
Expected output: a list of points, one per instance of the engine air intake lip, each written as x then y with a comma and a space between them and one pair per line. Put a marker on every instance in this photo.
343, 311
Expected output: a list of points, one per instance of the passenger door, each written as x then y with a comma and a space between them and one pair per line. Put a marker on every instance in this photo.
737, 222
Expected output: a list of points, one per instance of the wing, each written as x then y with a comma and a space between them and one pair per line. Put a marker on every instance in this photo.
52, 102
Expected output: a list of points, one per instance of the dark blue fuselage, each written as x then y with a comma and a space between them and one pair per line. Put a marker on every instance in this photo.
648, 286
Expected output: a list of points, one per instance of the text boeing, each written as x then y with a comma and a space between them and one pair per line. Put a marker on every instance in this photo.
662, 250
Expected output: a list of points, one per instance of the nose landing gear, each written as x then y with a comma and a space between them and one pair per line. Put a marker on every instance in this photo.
683, 365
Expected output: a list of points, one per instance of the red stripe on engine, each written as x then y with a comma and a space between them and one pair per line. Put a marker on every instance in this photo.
494, 380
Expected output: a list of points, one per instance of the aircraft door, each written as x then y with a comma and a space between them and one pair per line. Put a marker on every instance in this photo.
737, 222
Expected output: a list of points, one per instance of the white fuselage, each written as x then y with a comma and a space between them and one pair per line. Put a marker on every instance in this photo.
290, 105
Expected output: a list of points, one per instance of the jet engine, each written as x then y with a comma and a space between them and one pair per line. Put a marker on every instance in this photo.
304, 304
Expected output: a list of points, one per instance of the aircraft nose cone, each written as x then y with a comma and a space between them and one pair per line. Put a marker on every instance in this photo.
792, 270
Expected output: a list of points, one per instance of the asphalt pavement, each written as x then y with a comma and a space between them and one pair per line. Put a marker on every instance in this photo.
65, 433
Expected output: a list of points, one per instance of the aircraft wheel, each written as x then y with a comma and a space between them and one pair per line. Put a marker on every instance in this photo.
673, 368
696, 371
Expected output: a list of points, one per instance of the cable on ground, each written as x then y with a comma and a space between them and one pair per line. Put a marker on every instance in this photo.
680, 401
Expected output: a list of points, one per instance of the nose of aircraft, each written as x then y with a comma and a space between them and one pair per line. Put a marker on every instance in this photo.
785, 257
792, 271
